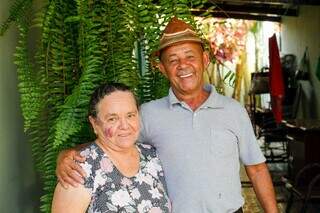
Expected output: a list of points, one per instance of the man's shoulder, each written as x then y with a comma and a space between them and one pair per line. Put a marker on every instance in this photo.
155, 105
217, 100
229, 103
233, 109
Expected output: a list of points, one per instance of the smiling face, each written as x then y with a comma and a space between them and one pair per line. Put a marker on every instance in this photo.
183, 64
117, 121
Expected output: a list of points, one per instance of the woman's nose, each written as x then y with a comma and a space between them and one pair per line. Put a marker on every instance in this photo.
124, 123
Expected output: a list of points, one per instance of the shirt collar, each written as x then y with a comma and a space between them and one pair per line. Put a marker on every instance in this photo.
213, 101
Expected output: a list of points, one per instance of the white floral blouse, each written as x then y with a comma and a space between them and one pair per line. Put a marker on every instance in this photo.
113, 192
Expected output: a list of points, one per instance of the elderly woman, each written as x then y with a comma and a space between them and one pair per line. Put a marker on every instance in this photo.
122, 176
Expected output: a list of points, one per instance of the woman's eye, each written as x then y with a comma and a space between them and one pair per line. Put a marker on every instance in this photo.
131, 115
111, 119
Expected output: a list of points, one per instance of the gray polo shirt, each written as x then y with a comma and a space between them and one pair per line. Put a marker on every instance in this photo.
200, 150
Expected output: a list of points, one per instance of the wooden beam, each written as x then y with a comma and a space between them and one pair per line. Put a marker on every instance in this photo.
306, 2
252, 8
270, 2
241, 2
257, 17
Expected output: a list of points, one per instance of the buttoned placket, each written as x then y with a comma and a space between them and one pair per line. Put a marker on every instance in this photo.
194, 119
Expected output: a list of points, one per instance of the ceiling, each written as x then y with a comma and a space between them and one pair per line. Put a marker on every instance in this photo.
263, 10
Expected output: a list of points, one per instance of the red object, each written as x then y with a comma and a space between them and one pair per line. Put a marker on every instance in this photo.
276, 79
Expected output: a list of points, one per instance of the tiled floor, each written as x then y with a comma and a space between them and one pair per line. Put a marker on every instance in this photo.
276, 170
251, 203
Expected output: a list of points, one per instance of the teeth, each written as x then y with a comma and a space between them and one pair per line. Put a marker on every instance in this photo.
185, 76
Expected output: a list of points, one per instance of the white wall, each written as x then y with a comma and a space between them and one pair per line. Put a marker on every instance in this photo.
300, 32
19, 187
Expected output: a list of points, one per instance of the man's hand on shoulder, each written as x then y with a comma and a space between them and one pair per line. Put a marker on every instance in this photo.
68, 170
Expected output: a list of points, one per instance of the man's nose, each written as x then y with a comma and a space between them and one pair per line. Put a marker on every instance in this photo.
182, 63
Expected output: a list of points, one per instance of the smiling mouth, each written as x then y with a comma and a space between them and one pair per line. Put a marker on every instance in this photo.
124, 135
186, 75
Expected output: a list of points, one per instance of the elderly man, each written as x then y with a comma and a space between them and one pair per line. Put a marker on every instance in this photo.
200, 135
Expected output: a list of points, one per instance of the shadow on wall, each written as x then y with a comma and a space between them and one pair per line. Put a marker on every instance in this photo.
19, 185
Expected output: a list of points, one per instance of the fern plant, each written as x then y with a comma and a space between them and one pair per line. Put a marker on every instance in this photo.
82, 44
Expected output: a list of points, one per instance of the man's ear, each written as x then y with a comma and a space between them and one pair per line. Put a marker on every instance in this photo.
162, 69
206, 59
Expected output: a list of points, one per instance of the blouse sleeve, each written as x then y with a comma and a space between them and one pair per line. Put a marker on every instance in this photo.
87, 166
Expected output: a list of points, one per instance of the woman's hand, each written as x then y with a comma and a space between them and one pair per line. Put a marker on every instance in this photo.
68, 170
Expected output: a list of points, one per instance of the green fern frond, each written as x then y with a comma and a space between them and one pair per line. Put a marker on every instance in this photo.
29, 89
74, 110
16, 12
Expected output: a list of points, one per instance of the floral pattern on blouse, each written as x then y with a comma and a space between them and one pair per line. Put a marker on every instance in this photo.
110, 191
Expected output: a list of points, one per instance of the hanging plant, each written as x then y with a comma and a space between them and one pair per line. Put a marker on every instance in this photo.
227, 40
82, 44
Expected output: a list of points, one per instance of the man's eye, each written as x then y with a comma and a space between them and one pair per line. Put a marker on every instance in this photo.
173, 61
190, 57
